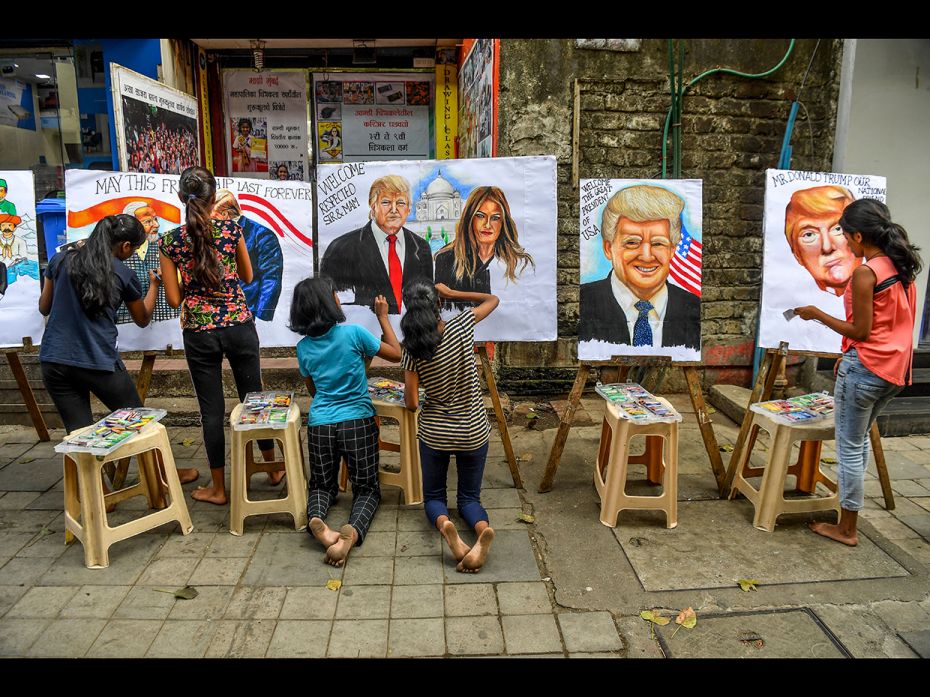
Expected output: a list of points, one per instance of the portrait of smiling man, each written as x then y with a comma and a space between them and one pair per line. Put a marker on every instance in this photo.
635, 304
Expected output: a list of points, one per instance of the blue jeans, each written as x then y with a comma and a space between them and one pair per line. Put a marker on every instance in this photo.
470, 467
859, 397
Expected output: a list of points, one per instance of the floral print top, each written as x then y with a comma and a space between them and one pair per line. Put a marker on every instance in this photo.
204, 308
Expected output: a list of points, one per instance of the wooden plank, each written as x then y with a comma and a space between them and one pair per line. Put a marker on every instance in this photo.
555, 455
25, 389
881, 466
501, 419
144, 381
706, 426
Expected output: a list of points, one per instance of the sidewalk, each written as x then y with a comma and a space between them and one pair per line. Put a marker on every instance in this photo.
564, 585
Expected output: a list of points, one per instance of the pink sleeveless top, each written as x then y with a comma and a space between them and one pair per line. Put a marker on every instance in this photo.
888, 350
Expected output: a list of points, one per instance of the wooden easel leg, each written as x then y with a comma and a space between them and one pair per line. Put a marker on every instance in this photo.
706, 426
501, 419
808, 465
555, 455
25, 389
879, 452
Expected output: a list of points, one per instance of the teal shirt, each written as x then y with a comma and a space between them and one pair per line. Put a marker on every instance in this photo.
336, 362
7, 207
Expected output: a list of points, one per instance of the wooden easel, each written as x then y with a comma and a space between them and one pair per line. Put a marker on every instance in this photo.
617, 369
25, 389
762, 391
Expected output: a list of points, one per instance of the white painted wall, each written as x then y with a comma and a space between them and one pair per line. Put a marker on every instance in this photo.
883, 127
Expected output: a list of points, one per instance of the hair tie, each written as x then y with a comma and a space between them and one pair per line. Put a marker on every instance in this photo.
191, 197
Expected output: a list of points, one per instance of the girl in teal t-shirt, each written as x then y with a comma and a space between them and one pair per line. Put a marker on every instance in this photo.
331, 357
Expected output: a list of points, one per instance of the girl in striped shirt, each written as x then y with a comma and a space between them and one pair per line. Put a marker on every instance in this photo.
440, 355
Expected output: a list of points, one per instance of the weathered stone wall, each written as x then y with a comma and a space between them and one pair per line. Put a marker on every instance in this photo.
732, 129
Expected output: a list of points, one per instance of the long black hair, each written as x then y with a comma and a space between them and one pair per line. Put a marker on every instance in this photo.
314, 310
198, 188
420, 324
872, 219
90, 266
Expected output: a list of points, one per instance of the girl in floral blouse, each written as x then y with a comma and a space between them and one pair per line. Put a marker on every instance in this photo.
211, 257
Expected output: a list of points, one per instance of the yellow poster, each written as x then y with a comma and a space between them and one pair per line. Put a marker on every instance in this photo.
447, 110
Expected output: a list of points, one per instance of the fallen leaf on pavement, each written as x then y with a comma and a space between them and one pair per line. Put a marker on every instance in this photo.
726, 448
654, 617
751, 639
687, 618
44, 532
526, 518
334, 584
748, 584
828, 460
186, 442
185, 593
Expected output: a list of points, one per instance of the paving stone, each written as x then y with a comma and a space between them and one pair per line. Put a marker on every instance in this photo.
193, 546
18, 500
232, 546
210, 603
30, 521
125, 639
289, 560
861, 631
299, 639
594, 655
24, 570
358, 639
918, 523
900, 466
98, 602
377, 544
363, 602
128, 559
182, 639
17, 635
413, 520
417, 637
417, 570
915, 546
511, 559
66, 638
589, 631
408, 602
919, 641
920, 457
247, 639
531, 634
250, 602
901, 616
474, 636
473, 599
218, 571
523, 598
168, 572
638, 638
418, 544
38, 476
43, 601
9, 596
144, 603
891, 528
12, 542
506, 519
368, 571
307, 603
898, 443
907, 487
385, 520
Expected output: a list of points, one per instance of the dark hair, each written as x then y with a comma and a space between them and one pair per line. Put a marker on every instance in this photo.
90, 266
314, 310
872, 220
197, 188
420, 324
244, 121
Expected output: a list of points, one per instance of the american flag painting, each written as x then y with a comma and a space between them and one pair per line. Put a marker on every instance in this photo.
685, 269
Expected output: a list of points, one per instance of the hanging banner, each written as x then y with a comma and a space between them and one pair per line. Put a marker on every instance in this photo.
266, 124
475, 225
806, 259
156, 126
19, 261
447, 110
478, 101
204, 109
641, 248
277, 224
378, 116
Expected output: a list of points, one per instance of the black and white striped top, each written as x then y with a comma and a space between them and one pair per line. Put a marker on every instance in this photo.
452, 417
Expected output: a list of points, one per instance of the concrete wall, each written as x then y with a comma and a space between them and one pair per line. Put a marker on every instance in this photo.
732, 132
883, 127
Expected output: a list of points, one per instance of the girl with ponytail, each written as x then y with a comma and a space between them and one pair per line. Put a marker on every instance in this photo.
881, 304
452, 420
211, 257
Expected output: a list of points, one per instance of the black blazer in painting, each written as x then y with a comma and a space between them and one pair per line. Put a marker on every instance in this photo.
445, 273
353, 261
602, 318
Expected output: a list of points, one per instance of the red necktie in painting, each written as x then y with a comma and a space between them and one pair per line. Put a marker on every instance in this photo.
395, 271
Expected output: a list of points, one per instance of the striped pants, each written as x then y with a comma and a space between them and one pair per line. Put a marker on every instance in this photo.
357, 441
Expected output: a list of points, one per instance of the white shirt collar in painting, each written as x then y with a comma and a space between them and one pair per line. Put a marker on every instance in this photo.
627, 302
381, 237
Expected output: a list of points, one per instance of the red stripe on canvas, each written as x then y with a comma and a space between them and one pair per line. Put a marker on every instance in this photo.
263, 202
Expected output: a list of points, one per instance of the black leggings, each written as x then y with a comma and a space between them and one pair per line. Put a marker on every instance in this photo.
205, 351
70, 388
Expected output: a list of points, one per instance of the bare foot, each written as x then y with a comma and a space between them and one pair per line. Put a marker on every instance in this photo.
188, 475
834, 532
337, 553
210, 495
321, 531
458, 548
275, 478
474, 560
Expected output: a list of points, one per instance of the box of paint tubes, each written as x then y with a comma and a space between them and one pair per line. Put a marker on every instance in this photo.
111, 431
264, 410
636, 404
806, 408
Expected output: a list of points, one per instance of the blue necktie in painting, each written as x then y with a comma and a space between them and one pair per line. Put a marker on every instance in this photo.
642, 332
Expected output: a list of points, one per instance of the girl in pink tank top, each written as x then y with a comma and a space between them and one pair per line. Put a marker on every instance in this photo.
880, 303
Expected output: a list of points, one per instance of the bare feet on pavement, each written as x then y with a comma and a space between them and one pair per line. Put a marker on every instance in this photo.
188, 475
475, 559
835, 532
458, 548
275, 478
337, 553
321, 531
210, 495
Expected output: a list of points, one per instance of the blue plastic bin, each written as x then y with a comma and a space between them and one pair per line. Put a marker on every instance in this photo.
51, 211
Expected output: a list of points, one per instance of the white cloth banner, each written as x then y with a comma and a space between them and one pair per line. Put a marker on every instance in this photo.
443, 193
19, 261
276, 219
806, 260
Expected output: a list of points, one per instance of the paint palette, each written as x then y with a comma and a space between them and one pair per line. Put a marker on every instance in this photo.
637, 404
111, 431
391, 391
268, 409
802, 409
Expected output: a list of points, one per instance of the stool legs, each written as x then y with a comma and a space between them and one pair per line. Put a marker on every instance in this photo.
93, 514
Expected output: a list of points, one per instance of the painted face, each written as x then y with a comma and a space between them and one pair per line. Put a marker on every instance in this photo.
225, 208
821, 248
486, 223
641, 254
149, 220
245, 128
391, 210
7, 229
282, 173
2, 193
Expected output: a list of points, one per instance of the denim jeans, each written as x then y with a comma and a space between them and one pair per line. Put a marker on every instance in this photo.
859, 397
469, 465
